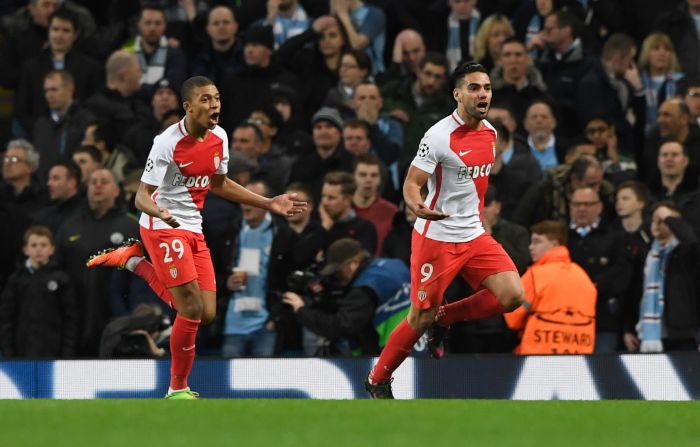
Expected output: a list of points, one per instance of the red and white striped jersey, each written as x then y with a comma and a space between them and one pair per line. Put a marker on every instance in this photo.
460, 160
181, 167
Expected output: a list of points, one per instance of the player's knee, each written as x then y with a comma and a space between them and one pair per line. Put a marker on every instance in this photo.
421, 319
193, 307
208, 316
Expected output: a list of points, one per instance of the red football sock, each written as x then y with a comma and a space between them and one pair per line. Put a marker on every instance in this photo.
397, 348
483, 304
182, 350
145, 270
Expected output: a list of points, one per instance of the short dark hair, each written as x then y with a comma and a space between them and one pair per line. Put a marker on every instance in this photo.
502, 131
361, 57
467, 68
668, 204
263, 183
357, 124
687, 83
91, 150
302, 188
38, 230
552, 229
65, 75
514, 39
684, 149
618, 43
192, 83
565, 18
367, 159
64, 13
434, 58
251, 125
151, 5
343, 179
582, 164
72, 169
640, 190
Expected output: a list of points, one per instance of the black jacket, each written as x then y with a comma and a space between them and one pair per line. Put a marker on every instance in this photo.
603, 256
310, 169
119, 112
515, 178
681, 306
680, 27
56, 140
81, 236
39, 314
30, 101
54, 215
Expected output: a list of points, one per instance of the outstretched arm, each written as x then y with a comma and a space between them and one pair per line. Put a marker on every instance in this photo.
283, 204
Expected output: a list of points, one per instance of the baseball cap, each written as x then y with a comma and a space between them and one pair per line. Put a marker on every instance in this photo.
329, 114
261, 35
338, 252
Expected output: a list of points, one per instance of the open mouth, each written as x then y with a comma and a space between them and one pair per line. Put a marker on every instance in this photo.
214, 119
482, 106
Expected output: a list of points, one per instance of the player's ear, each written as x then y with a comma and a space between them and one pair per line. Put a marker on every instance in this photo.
455, 94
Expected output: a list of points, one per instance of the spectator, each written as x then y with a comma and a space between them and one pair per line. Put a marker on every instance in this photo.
157, 58
89, 160
689, 90
293, 135
680, 25
560, 296
600, 251
514, 170
102, 223
674, 180
305, 228
668, 313
366, 283
572, 76
222, 56
251, 85
540, 124
64, 192
116, 103
59, 131
38, 310
263, 259
673, 123
622, 92
631, 199
493, 31
660, 72
247, 140
115, 157
314, 56
287, 18
515, 80
20, 185
139, 137
274, 163
355, 66
59, 55
602, 134
366, 28
327, 156
367, 202
418, 104
337, 218
452, 31
398, 242
407, 55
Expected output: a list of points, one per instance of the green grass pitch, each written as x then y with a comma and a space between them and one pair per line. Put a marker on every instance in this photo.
427, 423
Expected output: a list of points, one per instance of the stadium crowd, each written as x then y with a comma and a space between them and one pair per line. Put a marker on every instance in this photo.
596, 104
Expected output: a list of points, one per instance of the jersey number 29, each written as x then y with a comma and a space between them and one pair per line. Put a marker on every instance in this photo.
177, 248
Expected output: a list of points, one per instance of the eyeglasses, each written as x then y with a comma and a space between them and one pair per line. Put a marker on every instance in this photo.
13, 159
349, 66
584, 204
595, 130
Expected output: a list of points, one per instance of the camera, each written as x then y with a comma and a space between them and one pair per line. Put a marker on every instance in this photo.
316, 290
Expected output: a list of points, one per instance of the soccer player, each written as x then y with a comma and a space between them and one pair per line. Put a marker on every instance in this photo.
188, 159
454, 158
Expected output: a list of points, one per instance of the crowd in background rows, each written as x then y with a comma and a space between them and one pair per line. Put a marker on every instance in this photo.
596, 105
